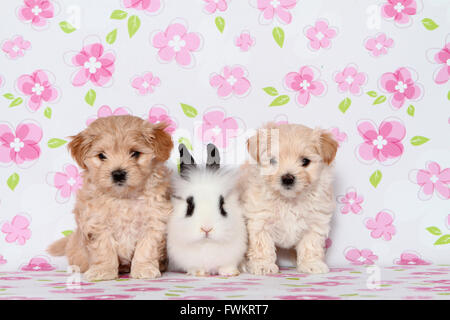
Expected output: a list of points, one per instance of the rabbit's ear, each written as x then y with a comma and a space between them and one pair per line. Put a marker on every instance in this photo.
187, 162
213, 161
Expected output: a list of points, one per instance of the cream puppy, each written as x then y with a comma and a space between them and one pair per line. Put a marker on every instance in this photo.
287, 196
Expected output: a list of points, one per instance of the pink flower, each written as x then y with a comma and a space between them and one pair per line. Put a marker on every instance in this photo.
22, 145
410, 258
212, 5
432, 180
399, 10
383, 144
443, 58
379, 44
432, 289
328, 283
281, 119
307, 297
2, 260
244, 41
339, 136
37, 12
15, 47
232, 81
158, 113
276, 8
320, 35
144, 289
221, 289
360, 257
218, 129
95, 64
149, 6
328, 243
78, 291
68, 182
38, 86
176, 43
146, 83
38, 264
303, 82
350, 80
401, 85
105, 111
107, 297
194, 298
352, 202
17, 230
381, 226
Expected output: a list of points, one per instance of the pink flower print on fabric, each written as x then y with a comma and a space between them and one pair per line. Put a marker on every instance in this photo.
211, 6
320, 35
105, 111
38, 87
442, 57
244, 41
338, 135
432, 180
37, 12
350, 80
276, 8
400, 11
381, 226
305, 83
360, 257
232, 80
159, 113
148, 6
401, 86
38, 264
22, 145
17, 230
379, 44
351, 202
68, 182
2, 260
383, 144
410, 258
16, 47
145, 84
217, 128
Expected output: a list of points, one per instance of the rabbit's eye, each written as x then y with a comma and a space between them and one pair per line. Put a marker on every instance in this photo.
190, 206
221, 203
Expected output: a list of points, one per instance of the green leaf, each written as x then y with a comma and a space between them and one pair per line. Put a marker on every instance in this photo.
90, 97
186, 142
16, 102
55, 143
445, 239
10, 96
448, 95
429, 24
13, 181
66, 27
220, 24
133, 25
411, 110
280, 100
345, 104
118, 15
278, 35
67, 233
379, 100
418, 140
375, 178
271, 91
373, 94
111, 37
188, 110
434, 230
48, 113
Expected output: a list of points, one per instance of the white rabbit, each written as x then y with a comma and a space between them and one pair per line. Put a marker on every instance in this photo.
206, 231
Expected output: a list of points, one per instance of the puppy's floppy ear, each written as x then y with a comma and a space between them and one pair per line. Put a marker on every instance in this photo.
79, 147
159, 140
328, 147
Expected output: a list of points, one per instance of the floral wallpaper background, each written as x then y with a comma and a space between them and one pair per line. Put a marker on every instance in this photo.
374, 73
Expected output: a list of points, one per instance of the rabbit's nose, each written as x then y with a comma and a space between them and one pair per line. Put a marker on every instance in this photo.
206, 230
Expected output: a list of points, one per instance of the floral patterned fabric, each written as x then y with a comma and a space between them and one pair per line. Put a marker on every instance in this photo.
374, 73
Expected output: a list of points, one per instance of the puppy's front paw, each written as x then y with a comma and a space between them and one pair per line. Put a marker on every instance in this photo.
197, 273
228, 271
144, 271
261, 267
100, 273
314, 266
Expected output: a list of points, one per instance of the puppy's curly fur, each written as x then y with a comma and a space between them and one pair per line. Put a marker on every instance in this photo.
295, 213
122, 209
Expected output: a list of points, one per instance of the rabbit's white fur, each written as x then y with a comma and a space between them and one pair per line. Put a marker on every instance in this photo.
187, 247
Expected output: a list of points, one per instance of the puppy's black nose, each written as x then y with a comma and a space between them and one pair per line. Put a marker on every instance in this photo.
119, 175
287, 180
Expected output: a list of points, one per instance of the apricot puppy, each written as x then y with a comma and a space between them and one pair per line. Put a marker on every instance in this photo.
287, 195
123, 206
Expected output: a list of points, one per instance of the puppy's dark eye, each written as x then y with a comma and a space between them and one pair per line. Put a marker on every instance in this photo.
305, 162
135, 154
101, 156
221, 203
273, 161
190, 206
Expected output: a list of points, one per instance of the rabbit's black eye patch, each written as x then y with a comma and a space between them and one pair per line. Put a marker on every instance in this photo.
221, 203
190, 206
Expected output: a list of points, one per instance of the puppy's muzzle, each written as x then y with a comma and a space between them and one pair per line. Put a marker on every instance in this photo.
119, 176
287, 180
